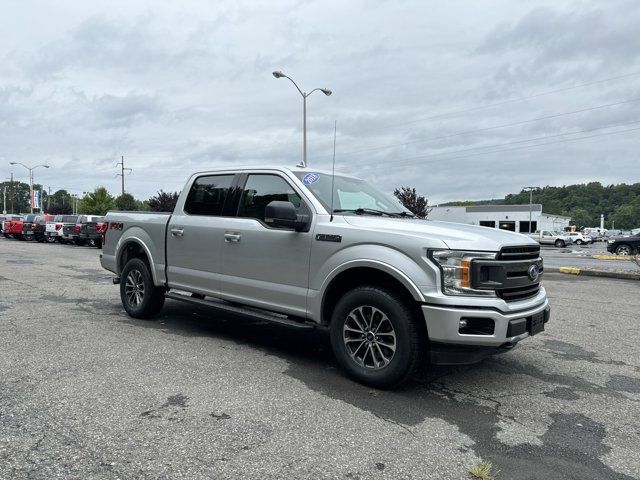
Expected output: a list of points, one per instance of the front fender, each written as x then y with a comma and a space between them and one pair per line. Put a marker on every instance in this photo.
393, 262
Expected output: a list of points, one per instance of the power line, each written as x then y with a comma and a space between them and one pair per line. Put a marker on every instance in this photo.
411, 160
511, 100
468, 132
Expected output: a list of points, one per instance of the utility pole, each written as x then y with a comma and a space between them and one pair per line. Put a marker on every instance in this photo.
4, 201
122, 170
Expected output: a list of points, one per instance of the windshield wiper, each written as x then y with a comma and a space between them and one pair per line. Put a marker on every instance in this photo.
372, 211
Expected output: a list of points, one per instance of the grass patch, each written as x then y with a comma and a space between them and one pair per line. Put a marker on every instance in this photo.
482, 471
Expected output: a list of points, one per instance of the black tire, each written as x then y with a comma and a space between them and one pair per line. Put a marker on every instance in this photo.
50, 239
147, 300
80, 243
409, 341
579, 242
98, 243
559, 243
624, 250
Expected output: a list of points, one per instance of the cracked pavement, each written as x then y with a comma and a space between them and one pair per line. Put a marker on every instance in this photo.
87, 392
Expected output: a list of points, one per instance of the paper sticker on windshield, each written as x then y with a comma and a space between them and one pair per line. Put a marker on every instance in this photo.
310, 178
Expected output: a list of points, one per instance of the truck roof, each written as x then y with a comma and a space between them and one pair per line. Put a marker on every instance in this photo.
274, 167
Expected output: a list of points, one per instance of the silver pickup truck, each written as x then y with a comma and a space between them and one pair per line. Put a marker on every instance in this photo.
392, 289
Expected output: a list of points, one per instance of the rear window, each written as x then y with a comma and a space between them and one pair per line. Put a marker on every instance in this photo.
207, 195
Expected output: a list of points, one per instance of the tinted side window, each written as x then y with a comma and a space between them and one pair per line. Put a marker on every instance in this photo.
262, 189
207, 195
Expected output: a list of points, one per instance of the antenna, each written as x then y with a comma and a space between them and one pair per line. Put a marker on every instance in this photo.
333, 167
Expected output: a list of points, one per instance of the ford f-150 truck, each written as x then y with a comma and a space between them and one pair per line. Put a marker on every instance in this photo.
298, 247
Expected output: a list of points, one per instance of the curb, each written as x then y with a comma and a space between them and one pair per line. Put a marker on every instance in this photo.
595, 273
612, 257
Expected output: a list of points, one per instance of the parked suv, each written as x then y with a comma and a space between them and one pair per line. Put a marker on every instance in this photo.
629, 245
578, 238
306, 249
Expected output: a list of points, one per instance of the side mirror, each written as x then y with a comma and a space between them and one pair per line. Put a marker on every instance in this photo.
283, 214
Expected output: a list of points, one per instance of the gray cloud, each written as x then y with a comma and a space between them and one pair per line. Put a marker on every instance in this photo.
177, 89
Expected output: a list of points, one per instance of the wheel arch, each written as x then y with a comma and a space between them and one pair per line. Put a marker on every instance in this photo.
373, 274
133, 247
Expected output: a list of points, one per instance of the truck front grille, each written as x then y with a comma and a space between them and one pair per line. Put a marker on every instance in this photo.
518, 293
528, 252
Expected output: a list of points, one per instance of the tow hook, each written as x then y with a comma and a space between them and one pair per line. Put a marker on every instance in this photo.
116, 280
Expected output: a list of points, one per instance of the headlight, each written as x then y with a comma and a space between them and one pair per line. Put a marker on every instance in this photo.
455, 266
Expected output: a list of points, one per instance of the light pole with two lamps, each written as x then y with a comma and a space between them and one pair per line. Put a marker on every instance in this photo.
31, 169
326, 91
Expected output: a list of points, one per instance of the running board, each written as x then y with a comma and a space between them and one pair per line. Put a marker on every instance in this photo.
244, 311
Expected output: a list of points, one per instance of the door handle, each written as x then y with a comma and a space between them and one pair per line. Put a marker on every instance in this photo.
177, 232
232, 237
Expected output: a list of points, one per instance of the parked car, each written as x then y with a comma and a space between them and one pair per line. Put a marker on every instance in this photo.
578, 238
548, 237
27, 226
84, 231
392, 289
54, 228
629, 245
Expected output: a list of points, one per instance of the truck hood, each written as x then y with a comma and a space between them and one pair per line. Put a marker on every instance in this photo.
456, 236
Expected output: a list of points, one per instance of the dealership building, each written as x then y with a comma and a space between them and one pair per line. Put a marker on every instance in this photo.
514, 218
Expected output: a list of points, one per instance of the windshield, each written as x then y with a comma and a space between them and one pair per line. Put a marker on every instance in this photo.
350, 194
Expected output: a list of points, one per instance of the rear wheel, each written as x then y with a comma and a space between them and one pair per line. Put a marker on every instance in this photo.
559, 243
50, 239
140, 297
375, 337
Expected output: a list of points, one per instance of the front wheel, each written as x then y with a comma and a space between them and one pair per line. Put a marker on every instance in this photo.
559, 243
139, 296
375, 337
623, 250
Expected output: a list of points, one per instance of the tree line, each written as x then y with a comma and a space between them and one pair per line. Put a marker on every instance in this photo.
16, 197
584, 203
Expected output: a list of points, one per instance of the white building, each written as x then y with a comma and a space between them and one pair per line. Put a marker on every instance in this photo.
507, 217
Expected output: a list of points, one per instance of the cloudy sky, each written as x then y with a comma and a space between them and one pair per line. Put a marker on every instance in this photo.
463, 100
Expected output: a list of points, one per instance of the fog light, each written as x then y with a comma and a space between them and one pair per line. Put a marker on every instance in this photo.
463, 324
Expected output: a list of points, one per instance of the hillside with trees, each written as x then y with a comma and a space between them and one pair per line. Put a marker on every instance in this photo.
584, 203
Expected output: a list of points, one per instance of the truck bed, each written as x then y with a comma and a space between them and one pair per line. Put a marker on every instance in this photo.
149, 228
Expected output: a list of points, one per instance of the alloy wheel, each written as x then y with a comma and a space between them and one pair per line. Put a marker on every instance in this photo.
369, 337
134, 288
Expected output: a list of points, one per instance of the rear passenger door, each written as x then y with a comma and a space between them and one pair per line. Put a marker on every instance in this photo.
196, 233
265, 266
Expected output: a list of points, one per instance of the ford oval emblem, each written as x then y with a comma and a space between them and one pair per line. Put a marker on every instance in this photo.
533, 272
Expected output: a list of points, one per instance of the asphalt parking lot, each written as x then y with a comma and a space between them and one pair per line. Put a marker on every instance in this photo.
87, 392
579, 256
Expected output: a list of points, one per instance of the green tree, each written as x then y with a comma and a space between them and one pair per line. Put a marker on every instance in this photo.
125, 202
98, 202
627, 216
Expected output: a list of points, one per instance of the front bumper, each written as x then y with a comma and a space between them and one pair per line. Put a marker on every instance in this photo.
443, 324
610, 248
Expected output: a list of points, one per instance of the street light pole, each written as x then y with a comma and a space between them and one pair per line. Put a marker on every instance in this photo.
31, 169
326, 91
530, 203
